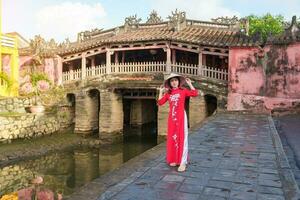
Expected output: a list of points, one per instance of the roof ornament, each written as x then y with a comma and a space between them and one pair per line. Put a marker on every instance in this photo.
41, 47
290, 34
132, 21
65, 44
154, 18
177, 20
226, 20
85, 35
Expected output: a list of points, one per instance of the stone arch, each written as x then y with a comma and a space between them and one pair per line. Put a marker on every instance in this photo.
211, 104
71, 99
94, 107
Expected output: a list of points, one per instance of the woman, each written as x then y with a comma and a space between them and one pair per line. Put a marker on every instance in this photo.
177, 137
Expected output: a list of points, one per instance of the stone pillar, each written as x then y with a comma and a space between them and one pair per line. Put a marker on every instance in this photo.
83, 66
110, 158
111, 116
86, 113
86, 166
108, 61
162, 121
197, 110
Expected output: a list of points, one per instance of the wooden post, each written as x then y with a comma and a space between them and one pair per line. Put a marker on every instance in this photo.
116, 57
108, 61
59, 70
200, 62
173, 56
93, 61
168, 50
83, 66
123, 56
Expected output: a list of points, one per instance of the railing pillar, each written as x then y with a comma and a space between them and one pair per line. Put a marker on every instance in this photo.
83, 66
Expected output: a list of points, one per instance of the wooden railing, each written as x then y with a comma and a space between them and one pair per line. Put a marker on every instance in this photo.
188, 69
71, 75
138, 67
96, 71
149, 67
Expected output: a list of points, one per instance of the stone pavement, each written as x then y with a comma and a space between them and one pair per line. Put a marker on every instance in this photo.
288, 128
233, 156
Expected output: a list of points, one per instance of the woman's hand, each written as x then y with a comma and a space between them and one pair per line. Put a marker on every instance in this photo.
188, 81
162, 89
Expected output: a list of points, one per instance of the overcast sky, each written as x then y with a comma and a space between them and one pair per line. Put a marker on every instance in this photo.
60, 19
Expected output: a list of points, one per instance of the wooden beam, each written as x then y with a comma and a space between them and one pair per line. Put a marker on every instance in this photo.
215, 53
184, 49
138, 48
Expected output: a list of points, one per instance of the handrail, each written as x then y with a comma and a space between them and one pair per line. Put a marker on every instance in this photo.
148, 67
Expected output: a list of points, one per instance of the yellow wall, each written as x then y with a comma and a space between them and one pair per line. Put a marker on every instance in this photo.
9, 46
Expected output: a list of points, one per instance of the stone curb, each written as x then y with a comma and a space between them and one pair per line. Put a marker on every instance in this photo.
290, 186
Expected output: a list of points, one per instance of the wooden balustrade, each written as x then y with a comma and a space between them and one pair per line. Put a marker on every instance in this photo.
149, 67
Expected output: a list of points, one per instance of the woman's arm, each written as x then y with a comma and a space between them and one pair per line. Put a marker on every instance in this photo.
162, 99
193, 92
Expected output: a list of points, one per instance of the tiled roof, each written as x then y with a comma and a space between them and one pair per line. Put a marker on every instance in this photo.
194, 32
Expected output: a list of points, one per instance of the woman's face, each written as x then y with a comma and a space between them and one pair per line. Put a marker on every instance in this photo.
174, 82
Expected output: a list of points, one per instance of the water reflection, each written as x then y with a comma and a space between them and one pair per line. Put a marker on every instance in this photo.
63, 172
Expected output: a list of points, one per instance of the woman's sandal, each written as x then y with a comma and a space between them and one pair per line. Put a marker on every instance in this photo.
172, 164
181, 168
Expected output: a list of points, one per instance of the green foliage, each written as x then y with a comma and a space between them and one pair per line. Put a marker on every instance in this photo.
38, 76
4, 77
266, 24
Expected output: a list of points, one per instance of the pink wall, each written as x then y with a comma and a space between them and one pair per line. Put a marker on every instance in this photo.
51, 66
264, 78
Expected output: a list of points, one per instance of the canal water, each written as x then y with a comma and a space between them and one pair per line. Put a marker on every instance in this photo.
65, 171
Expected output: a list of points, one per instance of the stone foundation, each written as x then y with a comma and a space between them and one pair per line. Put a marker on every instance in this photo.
30, 125
15, 104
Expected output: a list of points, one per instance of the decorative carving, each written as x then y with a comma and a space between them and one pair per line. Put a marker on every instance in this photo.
39, 46
154, 18
291, 34
65, 44
85, 35
226, 20
177, 19
132, 20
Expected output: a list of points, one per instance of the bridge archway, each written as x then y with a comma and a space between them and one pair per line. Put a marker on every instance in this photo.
211, 104
71, 99
140, 112
139, 106
94, 108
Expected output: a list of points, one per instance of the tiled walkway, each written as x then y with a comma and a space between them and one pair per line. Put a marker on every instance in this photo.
233, 156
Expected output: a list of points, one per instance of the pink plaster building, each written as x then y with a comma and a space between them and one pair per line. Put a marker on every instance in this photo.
266, 77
